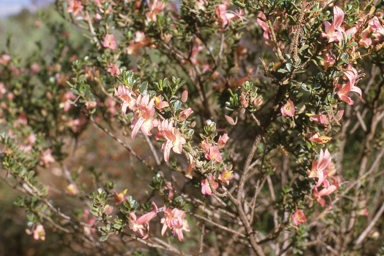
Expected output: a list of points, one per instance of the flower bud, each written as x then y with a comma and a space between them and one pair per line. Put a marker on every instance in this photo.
184, 96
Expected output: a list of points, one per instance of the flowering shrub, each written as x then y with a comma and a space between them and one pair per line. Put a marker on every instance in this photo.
265, 147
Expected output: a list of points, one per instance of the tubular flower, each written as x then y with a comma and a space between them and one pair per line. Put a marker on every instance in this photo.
159, 104
223, 140
326, 191
333, 31
318, 167
226, 175
110, 42
144, 112
185, 114
343, 91
212, 152
173, 137
288, 109
206, 188
174, 220
120, 197
190, 168
299, 217
137, 224
125, 95
261, 21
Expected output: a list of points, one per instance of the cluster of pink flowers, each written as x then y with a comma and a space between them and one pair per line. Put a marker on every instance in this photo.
142, 223
323, 171
144, 109
173, 137
213, 153
174, 219
335, 31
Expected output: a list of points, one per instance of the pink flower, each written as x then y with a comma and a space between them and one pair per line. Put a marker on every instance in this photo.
333, 31
120, 197
31, 139
226, 175
76, 124
174, 220
299, 217
375, 26
144, 112
91, 222
74, 7
224, 17
35, 68
343, 91
90, 104
214, 154
288, 109
114, 70
159, 104
140, 41
329, 61
261, 21
110, 42
167, 38
4, 60
200, 4
124, 93
223, 140
72, 189
173, 137
326, 191
47, 157
39, 233
185, 114
155, 7
318, 167
2, 90
206, 188
190, 168
137, 225
321, 118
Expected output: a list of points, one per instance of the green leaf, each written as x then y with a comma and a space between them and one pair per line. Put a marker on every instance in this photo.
176, 105
104, 238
